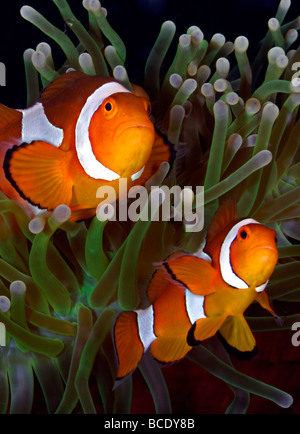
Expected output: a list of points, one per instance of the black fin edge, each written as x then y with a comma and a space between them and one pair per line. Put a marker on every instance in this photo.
242, 355
165, 264
192, 342
120, 379
6, 168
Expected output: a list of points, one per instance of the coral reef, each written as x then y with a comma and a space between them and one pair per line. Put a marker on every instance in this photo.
236, 130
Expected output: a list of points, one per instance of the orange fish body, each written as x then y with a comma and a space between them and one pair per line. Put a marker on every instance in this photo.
84, 132
191, 299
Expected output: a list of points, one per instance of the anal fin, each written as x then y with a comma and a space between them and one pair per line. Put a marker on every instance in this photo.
40, 173
237, 333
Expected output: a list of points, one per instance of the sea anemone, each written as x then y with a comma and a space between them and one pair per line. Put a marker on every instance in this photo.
236, 130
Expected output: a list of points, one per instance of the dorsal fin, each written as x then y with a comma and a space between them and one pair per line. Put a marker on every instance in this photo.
161, 279
56, 87
225, 215
9, 116
65, 97
73, 84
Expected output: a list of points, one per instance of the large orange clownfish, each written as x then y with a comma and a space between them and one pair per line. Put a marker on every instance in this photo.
83, 133
191, 298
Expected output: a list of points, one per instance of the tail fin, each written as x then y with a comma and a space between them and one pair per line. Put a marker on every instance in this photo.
10, 135
128, 344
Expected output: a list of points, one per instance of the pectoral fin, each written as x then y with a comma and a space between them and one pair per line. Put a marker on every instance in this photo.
204, 328
263, 299
40, 173
168, 349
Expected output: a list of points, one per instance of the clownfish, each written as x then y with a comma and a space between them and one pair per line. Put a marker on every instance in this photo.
191, 299
84, 132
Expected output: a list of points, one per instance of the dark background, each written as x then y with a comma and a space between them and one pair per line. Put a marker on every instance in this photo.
137, 22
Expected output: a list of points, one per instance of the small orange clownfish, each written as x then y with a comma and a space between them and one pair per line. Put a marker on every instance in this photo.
83, 133
191, 299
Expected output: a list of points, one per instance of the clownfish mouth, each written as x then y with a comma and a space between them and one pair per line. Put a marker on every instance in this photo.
269, 248
137, 175
265, 258
264, 253
128, 126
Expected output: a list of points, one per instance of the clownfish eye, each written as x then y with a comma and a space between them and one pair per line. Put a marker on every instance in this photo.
108, 107
243, 234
